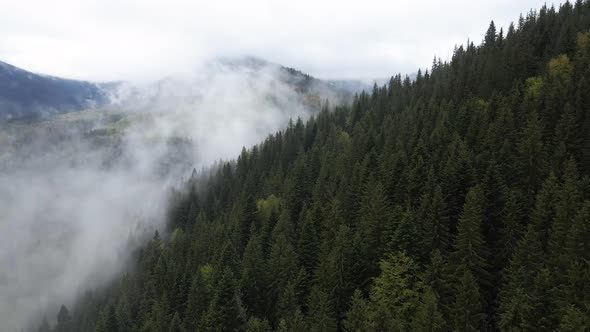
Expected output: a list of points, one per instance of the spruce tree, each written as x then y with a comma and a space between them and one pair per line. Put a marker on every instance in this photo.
253, 281
468, 314
428, 316
321, 315
435, 221
176, 324
470, 250
225, 312
357, 315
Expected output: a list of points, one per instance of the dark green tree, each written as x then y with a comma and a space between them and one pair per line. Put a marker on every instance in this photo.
357, 316
428, 316
468, 314
321, 315
470, 250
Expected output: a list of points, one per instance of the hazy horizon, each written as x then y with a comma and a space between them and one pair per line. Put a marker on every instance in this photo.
137, 40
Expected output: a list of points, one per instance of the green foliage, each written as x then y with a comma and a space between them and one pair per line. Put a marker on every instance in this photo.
321, 313
254, 281
357, 316
398, 287
534, 87
225, 312
429, 317
574, 319
467, 312
470, 250
175, 324
257, 325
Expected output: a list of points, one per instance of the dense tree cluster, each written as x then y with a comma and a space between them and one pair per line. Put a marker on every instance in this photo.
456, 201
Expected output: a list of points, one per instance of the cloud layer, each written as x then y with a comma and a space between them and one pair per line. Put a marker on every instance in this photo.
74, 202
136, 39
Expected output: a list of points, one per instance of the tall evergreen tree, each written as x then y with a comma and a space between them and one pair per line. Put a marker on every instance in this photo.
321, 313
468, 313
470, 250
225, 312
428, 316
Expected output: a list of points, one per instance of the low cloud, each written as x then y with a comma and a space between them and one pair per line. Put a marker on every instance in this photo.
78, 193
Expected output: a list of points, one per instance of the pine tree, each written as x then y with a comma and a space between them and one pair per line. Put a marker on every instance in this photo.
357, 315
575, 277
576, 245
199, 297
282, 264
573, 320
438, 279
566, 210
436, 222
531, 161
397, 288
254, 281
248, 218
467, 312
225, 312
111, 323
544, 315
335, 272
176, 324
490, 38
123, 315
258, 325
513, 216
321, 313
406, 230
544, 212
470, 250
308, 244
287, 303
516, 296
375, 215
517, 312
428, 316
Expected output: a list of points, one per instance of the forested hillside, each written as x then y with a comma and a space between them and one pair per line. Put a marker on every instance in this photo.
456, 201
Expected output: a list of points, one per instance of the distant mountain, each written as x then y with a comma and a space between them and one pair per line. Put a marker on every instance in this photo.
261, 75
26, 94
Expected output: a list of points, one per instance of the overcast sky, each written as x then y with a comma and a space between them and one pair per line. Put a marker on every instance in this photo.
144, 39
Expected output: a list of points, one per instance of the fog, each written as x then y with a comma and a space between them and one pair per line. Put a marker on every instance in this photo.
79, 192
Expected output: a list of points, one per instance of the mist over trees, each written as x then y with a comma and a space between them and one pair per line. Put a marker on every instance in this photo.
80, 191
456, 201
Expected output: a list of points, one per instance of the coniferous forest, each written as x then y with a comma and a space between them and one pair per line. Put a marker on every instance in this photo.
455, 201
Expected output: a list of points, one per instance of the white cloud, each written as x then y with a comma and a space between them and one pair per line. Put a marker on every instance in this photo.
134, 39
69, 205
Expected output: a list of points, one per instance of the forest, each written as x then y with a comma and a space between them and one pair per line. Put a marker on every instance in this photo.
455, 201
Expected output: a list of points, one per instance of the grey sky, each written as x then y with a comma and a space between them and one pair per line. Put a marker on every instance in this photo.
146, 39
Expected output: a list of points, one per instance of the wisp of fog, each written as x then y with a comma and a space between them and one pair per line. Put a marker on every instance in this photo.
79, 192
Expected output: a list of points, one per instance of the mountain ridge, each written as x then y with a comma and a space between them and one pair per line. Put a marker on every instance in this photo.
27, 94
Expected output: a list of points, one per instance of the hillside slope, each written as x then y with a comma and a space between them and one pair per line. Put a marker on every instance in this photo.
457, 201
26, 94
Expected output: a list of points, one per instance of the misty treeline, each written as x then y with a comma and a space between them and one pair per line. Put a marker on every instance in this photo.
457, 201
